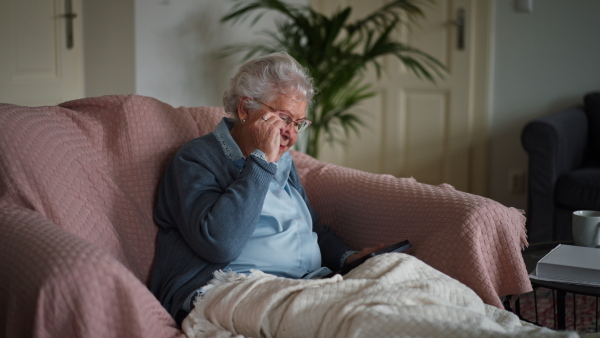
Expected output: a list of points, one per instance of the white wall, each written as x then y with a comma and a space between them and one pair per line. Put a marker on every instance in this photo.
544, 61
108, 39
177, 43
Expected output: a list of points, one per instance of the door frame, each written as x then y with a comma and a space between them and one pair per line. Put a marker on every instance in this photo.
482, 96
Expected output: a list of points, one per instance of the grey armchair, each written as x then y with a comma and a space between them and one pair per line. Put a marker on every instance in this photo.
564, 169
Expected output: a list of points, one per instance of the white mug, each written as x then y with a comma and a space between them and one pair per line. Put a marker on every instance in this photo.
586, 228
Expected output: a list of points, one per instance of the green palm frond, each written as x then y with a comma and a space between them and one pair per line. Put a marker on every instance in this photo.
388, 13
337, 54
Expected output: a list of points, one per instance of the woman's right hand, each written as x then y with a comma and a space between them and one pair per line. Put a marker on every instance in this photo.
265, 131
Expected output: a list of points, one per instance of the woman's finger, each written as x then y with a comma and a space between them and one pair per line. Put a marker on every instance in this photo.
266, 133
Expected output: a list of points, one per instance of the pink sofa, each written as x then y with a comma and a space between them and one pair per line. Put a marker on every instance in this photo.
77, 240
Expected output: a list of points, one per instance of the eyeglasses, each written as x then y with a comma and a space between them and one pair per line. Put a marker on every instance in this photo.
300, 125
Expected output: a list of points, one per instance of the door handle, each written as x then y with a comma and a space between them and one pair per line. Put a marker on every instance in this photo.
69, 16
460, 23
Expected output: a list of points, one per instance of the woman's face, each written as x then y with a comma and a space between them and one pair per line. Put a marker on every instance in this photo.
288, 105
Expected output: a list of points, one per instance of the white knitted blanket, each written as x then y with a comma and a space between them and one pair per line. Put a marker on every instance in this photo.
390, 295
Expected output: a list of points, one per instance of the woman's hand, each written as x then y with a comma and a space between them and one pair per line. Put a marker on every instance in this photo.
266, 134
363, 253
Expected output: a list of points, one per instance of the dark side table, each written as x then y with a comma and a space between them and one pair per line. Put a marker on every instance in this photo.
531, 256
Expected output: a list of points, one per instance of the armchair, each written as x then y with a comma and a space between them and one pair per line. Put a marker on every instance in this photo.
564, 169
77, 239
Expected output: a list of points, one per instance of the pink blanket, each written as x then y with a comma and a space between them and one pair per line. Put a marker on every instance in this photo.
77, 187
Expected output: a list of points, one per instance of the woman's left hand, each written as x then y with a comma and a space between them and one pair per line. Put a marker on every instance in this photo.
363, 253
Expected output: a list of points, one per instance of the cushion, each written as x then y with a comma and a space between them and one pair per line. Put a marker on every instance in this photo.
579, 189
592, 109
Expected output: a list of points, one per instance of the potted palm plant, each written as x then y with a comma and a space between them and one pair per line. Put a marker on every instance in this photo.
337, 53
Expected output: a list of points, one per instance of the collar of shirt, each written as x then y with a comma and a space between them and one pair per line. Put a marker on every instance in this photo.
234, 153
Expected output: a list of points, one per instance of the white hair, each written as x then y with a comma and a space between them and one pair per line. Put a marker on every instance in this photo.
265, 78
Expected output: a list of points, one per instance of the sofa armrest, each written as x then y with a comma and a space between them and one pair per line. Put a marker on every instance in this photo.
471, 238
54, 284
555, 144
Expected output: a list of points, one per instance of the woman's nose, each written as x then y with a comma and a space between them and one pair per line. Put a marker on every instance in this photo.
287, 130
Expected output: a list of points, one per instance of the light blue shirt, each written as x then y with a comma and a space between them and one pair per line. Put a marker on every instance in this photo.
283, 243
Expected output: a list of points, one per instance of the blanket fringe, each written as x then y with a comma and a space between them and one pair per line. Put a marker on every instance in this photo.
524, 242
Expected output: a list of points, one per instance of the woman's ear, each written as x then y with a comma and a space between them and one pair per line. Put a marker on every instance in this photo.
242, 110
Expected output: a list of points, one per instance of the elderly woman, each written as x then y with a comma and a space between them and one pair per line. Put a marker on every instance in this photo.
232, 200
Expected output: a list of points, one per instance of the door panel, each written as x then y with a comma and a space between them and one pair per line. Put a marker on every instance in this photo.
424, 127
36, 67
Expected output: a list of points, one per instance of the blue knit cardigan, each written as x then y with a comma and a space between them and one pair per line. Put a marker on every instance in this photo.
206, 211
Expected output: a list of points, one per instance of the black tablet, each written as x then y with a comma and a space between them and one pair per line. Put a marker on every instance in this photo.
398, 247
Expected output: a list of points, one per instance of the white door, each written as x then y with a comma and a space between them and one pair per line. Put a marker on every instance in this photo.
39, 63
435, 133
